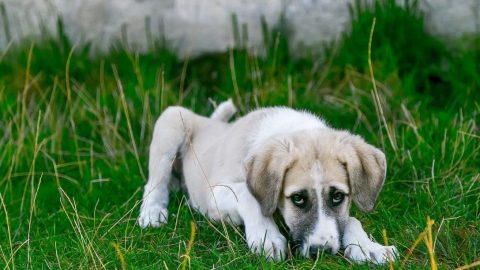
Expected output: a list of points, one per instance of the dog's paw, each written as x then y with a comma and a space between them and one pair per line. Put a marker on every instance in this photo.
152, 215
272, 245
371, 252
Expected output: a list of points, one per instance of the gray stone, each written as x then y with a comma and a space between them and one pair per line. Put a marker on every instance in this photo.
194, 27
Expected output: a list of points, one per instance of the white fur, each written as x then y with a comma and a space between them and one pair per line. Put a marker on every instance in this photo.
213, 154
359, 248
325, 232
155, 197
285, 120
224, 111
234, 203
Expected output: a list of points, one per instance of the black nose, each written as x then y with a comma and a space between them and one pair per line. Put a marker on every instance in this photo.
315, 250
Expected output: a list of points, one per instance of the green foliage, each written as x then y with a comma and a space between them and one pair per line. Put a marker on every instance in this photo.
70, 177
403, 47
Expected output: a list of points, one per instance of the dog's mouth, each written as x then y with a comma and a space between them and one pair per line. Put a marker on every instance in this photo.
299, 243
303, 248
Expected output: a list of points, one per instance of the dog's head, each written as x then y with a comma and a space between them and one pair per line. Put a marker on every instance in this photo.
311, 178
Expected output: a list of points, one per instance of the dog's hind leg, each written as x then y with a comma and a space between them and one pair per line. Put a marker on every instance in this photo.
224, 111
172, 130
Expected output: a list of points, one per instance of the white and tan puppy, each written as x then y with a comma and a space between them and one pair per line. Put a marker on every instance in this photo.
271, 159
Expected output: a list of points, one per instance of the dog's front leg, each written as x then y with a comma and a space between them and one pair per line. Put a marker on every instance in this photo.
264, 237
235, 202
359, 247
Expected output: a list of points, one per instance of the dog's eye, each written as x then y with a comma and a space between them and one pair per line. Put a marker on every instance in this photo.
299, 200
337, 198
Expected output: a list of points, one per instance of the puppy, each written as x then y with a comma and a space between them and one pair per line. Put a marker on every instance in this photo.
271, 159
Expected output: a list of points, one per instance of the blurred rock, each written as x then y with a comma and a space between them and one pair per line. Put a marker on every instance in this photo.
193, 27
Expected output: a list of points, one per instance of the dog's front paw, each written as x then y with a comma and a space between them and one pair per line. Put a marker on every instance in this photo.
152, 215
271, 244
371, 252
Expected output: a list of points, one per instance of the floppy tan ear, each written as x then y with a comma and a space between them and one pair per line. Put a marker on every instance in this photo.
266, 171
366, 167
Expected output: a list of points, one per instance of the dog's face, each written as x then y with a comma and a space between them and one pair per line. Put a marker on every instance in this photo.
312, 177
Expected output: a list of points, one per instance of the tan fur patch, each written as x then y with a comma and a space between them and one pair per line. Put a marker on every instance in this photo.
266, 171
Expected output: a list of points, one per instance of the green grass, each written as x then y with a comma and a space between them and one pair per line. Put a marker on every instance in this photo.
71, 173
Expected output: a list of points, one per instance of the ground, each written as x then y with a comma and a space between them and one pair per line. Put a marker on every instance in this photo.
75, 130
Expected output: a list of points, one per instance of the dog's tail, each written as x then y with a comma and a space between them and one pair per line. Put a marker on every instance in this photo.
224, 111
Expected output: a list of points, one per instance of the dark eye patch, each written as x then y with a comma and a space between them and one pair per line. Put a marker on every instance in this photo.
300, 199
302, 220
335, 197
